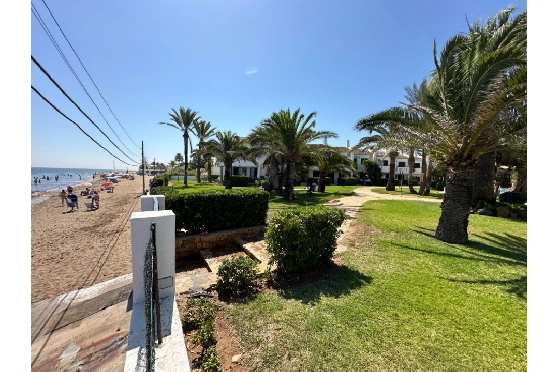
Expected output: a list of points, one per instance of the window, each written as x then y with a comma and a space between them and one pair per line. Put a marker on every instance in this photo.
385, 163
416, 165
362, 160
402, 164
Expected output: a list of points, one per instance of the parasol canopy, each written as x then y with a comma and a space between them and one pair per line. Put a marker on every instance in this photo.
107, 184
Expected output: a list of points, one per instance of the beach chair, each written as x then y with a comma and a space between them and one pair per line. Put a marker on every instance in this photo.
89, 205
311, 188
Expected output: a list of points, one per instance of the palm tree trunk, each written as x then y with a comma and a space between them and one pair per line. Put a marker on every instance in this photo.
521, 185
322, 182
290, 172
428, 180
228, 176
186, 139
198, 165
423, 171
209, 169
483, 187
411, 171
391, 181
455, 208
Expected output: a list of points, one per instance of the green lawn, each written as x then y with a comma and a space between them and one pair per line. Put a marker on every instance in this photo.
405, 191
194, 186
402, 301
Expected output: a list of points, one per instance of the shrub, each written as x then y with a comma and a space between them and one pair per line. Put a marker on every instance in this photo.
204, 336
265, 184
311, 180
210, 361
196, 312
350, 181
513, 197
159, 181
373, 171
214, 210
239, 181
236, 275
440, 185
302, 238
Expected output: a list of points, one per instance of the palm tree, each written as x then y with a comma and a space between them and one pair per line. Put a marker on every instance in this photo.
221, 147
478, 76
330, 159
288, 134
179, 159
204, 131
183, 120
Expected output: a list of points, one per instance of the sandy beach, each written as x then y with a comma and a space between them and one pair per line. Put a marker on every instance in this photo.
73, 250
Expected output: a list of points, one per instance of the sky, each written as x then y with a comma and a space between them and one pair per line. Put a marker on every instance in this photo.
234, 62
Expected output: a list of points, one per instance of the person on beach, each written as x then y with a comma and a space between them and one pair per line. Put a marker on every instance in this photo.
69, 189
96, 199
73, 199
63, 196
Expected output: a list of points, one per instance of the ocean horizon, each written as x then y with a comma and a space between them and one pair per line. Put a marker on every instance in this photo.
45, 179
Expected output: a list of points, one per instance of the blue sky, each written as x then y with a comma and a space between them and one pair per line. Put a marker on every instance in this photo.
235, 62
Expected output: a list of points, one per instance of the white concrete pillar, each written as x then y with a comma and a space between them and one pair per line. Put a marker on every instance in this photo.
147, 202
140, 223
259, 171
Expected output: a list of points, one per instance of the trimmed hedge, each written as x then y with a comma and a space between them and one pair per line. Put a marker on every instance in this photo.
303, 238
265, 184
159, 181
350, 181
215, 210
512, 197
310, 180
239, 181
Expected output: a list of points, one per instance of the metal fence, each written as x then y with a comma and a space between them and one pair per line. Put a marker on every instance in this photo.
151, 302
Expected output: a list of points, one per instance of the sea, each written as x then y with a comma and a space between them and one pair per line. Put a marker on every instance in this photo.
58, 179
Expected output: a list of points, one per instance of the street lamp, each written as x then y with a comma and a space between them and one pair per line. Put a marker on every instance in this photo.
228, 169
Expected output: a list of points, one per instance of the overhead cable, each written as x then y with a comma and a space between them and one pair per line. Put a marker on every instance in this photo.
60, 28
61, 113
75, 104
51, 37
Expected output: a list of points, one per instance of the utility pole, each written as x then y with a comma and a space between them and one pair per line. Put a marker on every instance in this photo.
143, 171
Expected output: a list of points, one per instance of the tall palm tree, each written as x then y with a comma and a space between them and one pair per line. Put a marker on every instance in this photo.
203, 130
478, 76
330, 159
183, 120
288, 134
219, 147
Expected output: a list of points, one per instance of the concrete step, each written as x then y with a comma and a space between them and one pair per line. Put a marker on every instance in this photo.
257, 251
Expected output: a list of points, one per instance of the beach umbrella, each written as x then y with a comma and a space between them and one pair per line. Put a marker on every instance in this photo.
107, 184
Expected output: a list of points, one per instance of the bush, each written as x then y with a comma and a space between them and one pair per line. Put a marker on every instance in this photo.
196, 312
513, 197
350, 181
440, 185
373, 171
214, 210
239, 181
236, 275
210, 361
302, 238
204, 336
159, 181
265, 184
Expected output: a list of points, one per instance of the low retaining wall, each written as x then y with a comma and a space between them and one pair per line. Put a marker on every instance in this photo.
191, 245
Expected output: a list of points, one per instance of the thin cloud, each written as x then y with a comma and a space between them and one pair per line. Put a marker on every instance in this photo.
250, 72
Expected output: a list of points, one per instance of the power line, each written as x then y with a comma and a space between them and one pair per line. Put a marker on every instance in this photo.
51, 37
61, 113
60, 28
75, 104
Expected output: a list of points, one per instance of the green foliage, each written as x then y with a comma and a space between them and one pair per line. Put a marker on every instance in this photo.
236, 275
311, 180
204, 336
210, 361
302, 238
239, 181
440, 185
513, 197
214, 210
349, 181
265, 184
159, 181
196, 312
373, 171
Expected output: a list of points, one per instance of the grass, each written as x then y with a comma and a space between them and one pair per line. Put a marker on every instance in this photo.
402, 301
405, 191
195, 187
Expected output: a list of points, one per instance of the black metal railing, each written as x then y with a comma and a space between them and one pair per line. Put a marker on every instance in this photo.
151, 302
